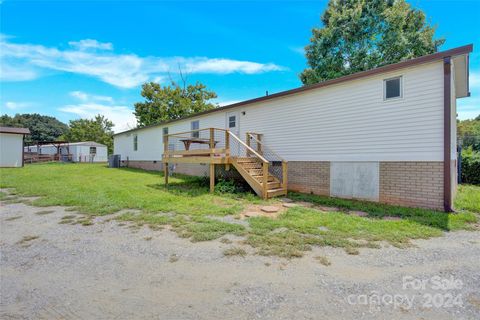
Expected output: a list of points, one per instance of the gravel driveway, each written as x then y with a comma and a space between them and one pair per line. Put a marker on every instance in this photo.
110, 271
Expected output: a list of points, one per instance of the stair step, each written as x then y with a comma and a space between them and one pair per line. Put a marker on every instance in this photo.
255, 172
260, 178
276, 192
251, 165
273, 185
243, 160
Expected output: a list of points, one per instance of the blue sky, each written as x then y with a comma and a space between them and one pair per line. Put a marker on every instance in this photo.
73, 59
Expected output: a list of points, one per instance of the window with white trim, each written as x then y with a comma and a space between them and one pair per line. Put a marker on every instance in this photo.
392, 88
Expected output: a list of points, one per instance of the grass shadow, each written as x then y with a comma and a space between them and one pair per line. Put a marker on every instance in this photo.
431, 218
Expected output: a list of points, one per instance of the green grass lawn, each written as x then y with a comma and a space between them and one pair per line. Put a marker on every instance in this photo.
194, 213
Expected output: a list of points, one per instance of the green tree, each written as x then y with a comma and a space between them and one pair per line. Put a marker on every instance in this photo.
171, 102
358, 35
468, 132
98, 129
42, 128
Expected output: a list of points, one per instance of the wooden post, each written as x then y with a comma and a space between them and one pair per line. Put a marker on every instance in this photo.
259, 144
165, 158
284, 175
212, 138
247, 141
212, 177
212, 165
227, 150
265, 180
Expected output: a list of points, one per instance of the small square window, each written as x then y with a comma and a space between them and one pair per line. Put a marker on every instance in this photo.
165, 131
195, 125
232, 121
392, 88
93, 150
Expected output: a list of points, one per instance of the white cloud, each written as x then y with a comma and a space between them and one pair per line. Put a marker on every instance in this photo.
469, 107
227, 103
474, 81
12, 72
121, 70
16, 105
91, 105
122, 116
82, 96
91, 44
299, 50
224, 66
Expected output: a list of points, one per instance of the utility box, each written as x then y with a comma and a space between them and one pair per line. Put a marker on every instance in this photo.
114, 161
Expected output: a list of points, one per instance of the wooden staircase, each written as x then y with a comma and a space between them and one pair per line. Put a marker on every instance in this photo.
253, 159
252, 169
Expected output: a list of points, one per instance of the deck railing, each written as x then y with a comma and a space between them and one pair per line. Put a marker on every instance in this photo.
202, 142
277, 166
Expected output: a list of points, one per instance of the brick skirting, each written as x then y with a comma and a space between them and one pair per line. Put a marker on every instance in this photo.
412, 184
309, 177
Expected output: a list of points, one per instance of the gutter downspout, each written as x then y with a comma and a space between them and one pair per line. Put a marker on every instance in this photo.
447, 134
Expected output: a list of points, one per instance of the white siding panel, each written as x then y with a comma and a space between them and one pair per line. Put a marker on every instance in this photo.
349, 121
11, 152
352, 122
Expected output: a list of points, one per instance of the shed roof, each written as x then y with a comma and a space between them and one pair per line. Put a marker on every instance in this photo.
14, 130
387, 68
86, 143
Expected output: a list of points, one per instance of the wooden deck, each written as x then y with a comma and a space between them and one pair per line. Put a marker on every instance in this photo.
215, 146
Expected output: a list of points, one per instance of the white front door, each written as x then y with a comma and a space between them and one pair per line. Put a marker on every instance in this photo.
232, 124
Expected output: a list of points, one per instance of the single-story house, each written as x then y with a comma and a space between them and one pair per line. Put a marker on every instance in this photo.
85, 151
386, 134
11, 146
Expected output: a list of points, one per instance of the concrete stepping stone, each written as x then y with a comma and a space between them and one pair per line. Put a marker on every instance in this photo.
290, 205
286, 200
269, 209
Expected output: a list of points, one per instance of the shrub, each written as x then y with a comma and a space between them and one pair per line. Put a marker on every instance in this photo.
470, 166
225, 186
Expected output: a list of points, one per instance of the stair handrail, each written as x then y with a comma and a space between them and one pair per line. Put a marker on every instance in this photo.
251, 134
250, 149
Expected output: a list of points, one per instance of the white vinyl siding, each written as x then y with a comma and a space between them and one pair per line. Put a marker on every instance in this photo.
11, 152
349, 121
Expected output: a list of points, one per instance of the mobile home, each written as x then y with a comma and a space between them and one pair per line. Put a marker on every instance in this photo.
386, 134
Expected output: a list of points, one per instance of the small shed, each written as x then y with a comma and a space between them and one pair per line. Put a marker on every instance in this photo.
11, 146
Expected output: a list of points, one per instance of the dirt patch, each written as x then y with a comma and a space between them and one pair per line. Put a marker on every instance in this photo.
107, 271
270, 211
